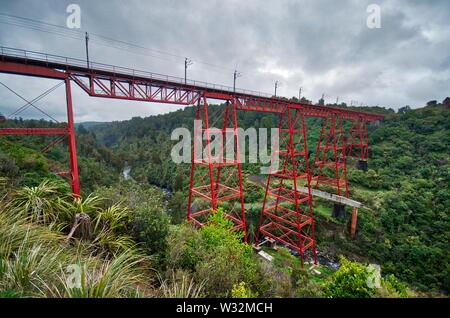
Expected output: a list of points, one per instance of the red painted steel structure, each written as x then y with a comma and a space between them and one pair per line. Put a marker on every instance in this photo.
34, 131
101, 80
287, 214
330, 163
358, 139
216, 178
67, 132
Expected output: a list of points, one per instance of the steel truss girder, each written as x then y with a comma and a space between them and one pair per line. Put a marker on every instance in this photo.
34, 131
50, 66
132, 89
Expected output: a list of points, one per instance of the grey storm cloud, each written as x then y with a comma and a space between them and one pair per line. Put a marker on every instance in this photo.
323, 46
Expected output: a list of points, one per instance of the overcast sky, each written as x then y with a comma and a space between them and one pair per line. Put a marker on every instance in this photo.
322, 46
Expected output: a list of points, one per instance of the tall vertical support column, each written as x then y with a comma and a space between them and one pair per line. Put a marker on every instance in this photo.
354, 223
75, 182
358, 142
287, 213
216, 172
330, 163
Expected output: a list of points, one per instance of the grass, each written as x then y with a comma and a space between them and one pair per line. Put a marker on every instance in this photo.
36, 260
182, 286
40, 203
119, 277
325, 273
323, 211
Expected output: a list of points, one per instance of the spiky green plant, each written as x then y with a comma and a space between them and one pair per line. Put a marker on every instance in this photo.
114, 218
110, 226
118, 277
40, 203
112, 243
29, 254
14, 229
181, 287
91, 205
29, 267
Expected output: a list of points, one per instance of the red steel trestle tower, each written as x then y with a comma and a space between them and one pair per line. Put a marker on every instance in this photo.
330, 160
216, 173
358, 142
287, 215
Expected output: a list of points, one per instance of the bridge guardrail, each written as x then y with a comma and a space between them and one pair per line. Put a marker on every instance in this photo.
51, 58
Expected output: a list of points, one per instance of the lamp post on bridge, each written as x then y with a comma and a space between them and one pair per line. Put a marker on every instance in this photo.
87, 48
187, 62
277, 84
235, 76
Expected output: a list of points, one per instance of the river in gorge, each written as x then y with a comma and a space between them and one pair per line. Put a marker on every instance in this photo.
126, 172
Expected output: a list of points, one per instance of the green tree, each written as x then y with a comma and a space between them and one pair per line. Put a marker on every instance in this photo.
177, 207
349, 281
216, 254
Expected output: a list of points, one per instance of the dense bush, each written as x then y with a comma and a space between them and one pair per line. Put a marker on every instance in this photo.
149, 222
350, 281
356, 280
150, 227
215, 254
37, 259
176, 207
404, 225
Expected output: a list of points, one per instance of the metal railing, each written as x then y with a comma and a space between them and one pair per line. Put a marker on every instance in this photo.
74, 62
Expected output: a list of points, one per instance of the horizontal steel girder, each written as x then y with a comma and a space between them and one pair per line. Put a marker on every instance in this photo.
34, 131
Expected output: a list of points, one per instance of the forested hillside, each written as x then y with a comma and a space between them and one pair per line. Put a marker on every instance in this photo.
404, 227
23, 162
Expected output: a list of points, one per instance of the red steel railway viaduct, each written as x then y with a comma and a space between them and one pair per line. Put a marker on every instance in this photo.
287, 212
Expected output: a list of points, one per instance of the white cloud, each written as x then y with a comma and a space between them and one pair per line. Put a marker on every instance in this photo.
323, 46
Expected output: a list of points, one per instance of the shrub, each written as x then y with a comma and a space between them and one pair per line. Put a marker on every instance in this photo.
306, 287
150, 227
181, 285
349, 281
215, 254
182, 247
225, 259
118, 277
40, 203
393, 288
177, 207
242, 291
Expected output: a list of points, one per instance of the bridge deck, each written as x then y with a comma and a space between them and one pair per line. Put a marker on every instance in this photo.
103, 80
